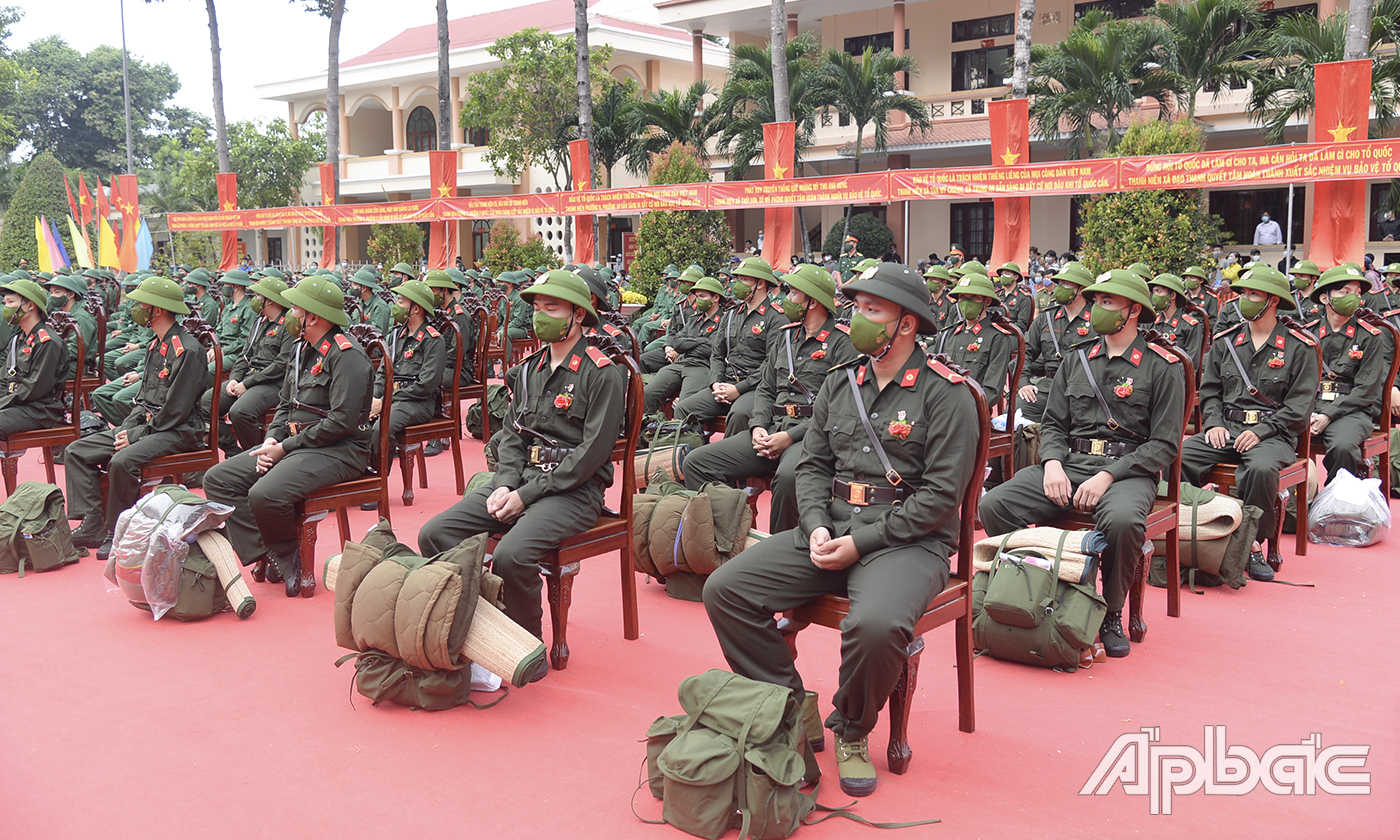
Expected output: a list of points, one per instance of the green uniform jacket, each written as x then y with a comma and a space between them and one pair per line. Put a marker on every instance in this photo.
847, 263
1385, 303
208, 309
419, 359
1226, 315
1018, 305
1357, 355
87, 327
466, 327
1284, 369
742, 343
1310, 314
945, 311
378, 313
812, 359
264, 359
1185, 331
173, 378
985, 350
235, 323
1144, 388
578, 405
1043, 358
690, 334
34, 365
522, 314
615, 333
329, 387
926, 421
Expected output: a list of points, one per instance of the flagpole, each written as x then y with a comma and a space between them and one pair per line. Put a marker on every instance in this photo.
126, 95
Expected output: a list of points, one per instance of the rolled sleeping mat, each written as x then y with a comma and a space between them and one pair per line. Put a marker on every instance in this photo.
494, 641
220, 552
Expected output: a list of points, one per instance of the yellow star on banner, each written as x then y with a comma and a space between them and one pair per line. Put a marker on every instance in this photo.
779, 171
444, 191
582, 185
1340, 134
1010, 158
230, 205
327, 198
83, 200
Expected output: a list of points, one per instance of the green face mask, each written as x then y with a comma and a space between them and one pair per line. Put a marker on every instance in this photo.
257, 304
550, 329
293, 325
1107, 321
1161, 302
1008, 281
703, 304
140, 315
1346, 305
56, 303
10, 314
867, 336
793, 310
934, 285
400, 314
1394, 280
1191, 284
439, 298
971, 309
740, 289
1252, 309
1063, 295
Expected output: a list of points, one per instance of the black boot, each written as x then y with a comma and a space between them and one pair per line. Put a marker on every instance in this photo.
1259, 568
92, 533
1115, 641
434, 447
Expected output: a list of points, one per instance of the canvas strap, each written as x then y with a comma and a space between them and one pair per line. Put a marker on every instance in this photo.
1248, 383
891, 475
792, 371
1103, 403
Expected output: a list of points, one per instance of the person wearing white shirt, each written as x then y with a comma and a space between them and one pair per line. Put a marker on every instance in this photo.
1267, 232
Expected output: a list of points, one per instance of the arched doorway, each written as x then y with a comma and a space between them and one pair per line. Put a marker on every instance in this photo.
421, 131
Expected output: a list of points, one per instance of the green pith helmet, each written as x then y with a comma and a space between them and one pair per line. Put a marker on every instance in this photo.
568, 287
670, 271
1197, 272
597, 286
131, 281
273, 271
1168, 280
237, 277
71, 284
865, 265
1076, 273
45, 276
1309, 268
900, 285
31, 290
161, 292
1141, 269
938, 272
1011, 267
755, 267
367, 278
93, 274
1393, 268
710, 284
816, 283
404, 269
459, 277
1336, 277
692, 274
973, 283
528, 272
1122, 282
1271, 281
439, 279
272, 289
319, 296
974, 267
418, 292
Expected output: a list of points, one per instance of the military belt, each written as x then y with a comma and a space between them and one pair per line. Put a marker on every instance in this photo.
548, 457
1098, 446
1328, 390
300, 426
858, 493
792, 410
1250, 417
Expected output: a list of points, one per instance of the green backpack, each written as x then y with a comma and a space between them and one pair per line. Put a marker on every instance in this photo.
34, 530
498, 398
201, 594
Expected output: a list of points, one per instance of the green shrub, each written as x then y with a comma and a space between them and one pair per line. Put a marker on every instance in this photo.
875, 236
391, 244
41, 193
508, 250
681, 237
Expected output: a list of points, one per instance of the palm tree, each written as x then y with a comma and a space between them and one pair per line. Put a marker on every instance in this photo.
1095, 75
1021, 58
1207, 38
667, 117
778, 68
613, 134
866, 93
334, 10
1283, 84
444, 41
585, 95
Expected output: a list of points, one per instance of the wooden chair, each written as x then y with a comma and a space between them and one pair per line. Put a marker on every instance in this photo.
1377, 445
1293, 475
96, 306
612, 532
481, 364
953, 604
1001, 444
373, 486
14, 447
1162, 519
491, 342
168, 469
448, 424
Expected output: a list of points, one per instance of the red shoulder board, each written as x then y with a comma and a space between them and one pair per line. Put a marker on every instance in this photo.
1188, 318
610, 329
43, 334
1136, 358
573, 363
1370, 329
599, 357
945, 371
434, 333
1006, 330
175, 342
1301, 336
1095, 351
821, 336
1164, 353
911, 377
154, 342
342, 341
845, 328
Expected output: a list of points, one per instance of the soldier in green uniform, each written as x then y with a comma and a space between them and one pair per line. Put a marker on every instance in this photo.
318, 437
401, 273
36, 361
1193, 278
1305, 274
236, 318
1257, 392
598, 296
420, 356
130, 350
1180, 326
364, 287
445, 300
204, 304
67, 294
555, 462
653, 322
1016, 299
984, 348
255, 375
687, 347
881, 542
1056, 331
166, 418
738, 348
1355, 363
1112, 424
799, 359
849, 259
1386, 300
941, 305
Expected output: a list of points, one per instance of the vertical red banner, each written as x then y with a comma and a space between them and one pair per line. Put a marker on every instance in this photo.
442, 236
1342, 112
228, 200
778, 154
1011, 146
583, 180
328, 236
131, 220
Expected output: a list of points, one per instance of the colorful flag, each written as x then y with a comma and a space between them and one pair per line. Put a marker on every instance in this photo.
72, 205
145, 247
778, 156
84, 203
1009, 123
1342, 112
227, 183
81, 249
58, 243
107, 256
45, 254
583, 180
104, 210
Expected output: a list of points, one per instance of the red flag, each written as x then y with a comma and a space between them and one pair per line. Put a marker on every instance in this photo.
442, 236
1342, 112
778, 156
228, 200
583, 180
72, 205
1011, 146
84, 202
327, 199
131, 194
103, 209
127, 203
115, 200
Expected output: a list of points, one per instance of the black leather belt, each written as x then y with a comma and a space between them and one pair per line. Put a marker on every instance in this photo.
1328, 390
794, 410
858, 493
1097, 446
548, 457
1250, 417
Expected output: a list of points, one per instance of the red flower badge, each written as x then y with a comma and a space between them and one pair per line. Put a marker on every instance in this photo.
1276, 361
408, 354
758, 329
563, 401
820, 354
901, 428
1124, 389
316, 369
1355, 352
164, 372
1083, 330
974, 347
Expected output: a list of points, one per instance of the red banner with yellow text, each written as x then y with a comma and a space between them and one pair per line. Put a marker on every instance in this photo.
834, 189
1342, 112
778, 154
583, 182
442, 235
328, 233
1011, 146
228, 203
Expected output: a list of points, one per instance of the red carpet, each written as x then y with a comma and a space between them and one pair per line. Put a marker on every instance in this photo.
115, 726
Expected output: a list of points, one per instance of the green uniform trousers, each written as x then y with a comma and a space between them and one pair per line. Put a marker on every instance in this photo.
734, 459
242, 418
654, 356
1034, 412
703, 406
113, 400
1121, 515
516, 558
649, 330
43, 414
888, 596
1256, 478
119, 363
402, 414
85, 457
676, 380
1342, 440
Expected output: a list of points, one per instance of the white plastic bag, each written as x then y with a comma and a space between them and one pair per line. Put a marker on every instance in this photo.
1349, 512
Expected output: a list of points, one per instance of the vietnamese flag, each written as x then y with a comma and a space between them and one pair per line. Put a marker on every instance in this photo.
1341, 112
72, 205
1008, 120
328, 234
442, 235
228, 200
778, 156
584, 245
84, 203
104, 211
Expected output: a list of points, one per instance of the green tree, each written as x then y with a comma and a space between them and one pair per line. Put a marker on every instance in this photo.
678, 236
40, 194
1167, 229
12, 79
866, 92
667, 117
510, 250
1206, 40
1095, 76
875, 236
613, 131
390, 244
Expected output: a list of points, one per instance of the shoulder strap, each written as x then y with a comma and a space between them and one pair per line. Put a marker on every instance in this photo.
1103, 403
1054, 338
893, 477
1248, 383
792, 371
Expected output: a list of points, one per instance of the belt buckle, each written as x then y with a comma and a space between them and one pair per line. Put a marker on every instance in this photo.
1098, 447
789, 408
1327, 395
860, 493
1251, 417
535, 458
1328, 387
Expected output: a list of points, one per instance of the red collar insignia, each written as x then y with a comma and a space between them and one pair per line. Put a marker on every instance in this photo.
860, 375
763, 309
1095, 351
1351, 332
1278, 342
977, 328
573, 363
325, 345
1239, 339
1135, 358
821, 336
911, 376
163, 348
